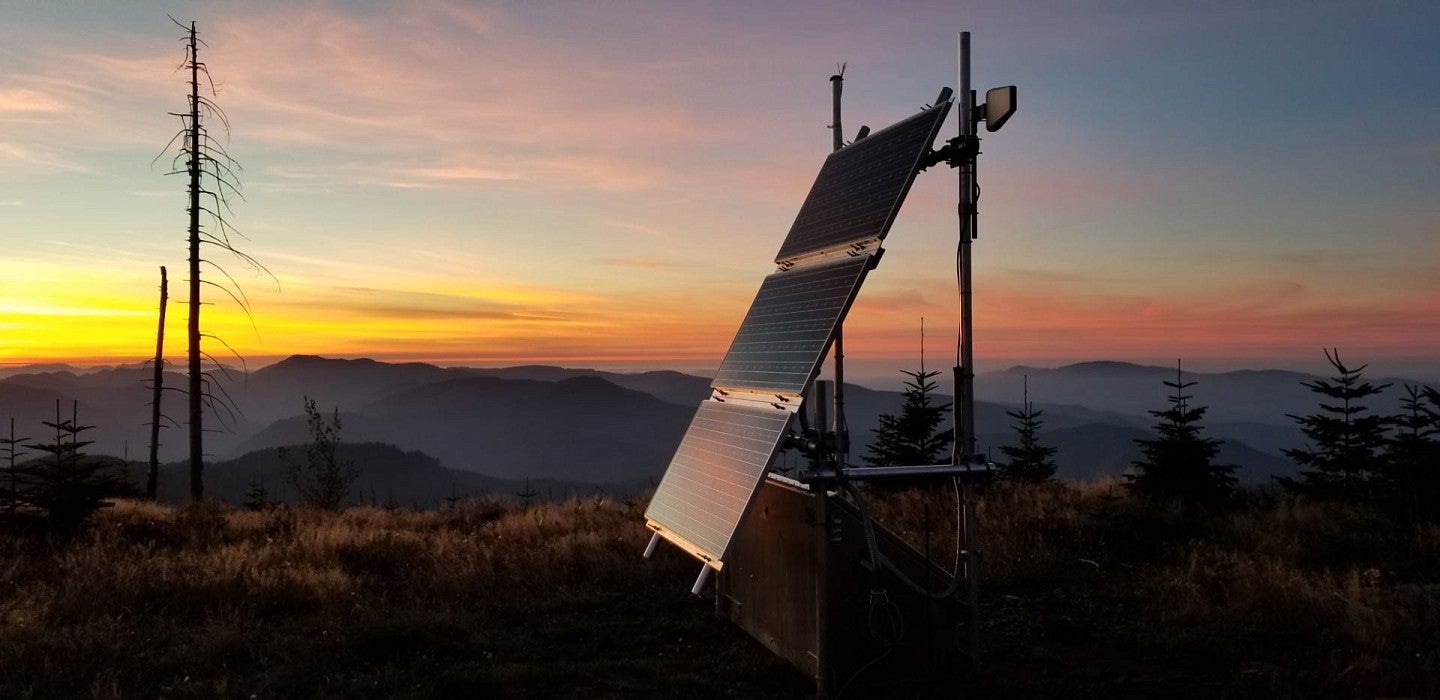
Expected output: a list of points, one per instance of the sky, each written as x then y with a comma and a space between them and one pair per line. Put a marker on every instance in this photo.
605, 184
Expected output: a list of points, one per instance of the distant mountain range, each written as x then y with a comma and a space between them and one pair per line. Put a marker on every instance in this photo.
490, 429
388, 476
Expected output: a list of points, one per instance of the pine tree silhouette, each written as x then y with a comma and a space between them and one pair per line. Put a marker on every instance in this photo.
257, 496
10, 497
1178, 464
913, 437
1029, 460
68, 486
1343, 459
1412, 456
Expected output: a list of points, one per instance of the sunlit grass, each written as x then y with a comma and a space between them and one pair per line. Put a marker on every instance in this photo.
1086, 590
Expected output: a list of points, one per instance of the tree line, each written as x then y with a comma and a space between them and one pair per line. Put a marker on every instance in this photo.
1352, 453
56, 488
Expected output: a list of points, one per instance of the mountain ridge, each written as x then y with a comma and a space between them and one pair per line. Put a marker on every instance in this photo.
598, 426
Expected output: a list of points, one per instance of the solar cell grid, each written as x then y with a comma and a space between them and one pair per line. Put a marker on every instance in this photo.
860, 187
788, 329
714, 473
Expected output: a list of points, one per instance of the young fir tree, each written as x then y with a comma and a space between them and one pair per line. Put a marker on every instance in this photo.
257, 496
1412, 456
1179, 464
1343, 457
914, 437
1030, 461
67, 486
10, 495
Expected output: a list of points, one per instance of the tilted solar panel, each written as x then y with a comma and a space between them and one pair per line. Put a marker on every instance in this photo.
788, 329
860, 188
733, 438
713, 475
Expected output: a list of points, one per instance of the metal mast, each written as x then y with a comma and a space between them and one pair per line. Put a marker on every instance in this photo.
965, 369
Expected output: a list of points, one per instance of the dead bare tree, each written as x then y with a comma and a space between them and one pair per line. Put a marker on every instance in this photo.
213, 181
157, 388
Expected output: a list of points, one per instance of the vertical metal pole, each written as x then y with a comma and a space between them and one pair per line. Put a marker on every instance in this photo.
965, 391
965, 374
972, 571
822, 550
842, 430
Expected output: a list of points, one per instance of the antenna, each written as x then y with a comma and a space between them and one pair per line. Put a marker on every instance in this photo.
842, 428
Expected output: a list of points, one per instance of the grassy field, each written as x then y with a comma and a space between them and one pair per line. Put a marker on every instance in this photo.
1087, 593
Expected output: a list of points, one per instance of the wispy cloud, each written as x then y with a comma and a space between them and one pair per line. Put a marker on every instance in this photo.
45, 160
643, 263
413, 306
25, 100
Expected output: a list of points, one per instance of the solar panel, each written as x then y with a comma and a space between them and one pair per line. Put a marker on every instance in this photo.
788, 329
714, 474
860, 188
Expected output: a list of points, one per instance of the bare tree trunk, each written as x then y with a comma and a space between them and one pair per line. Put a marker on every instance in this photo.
152, 481
14, 494
197, 449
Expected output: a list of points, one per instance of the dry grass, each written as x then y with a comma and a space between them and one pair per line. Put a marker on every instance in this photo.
483, 599
1092, 592
1087, 592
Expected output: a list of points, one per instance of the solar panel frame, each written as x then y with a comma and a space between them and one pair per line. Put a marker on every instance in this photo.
712, 479
791, 324
859, 190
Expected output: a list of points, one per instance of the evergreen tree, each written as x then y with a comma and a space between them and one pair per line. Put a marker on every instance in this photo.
257, 497
1343, 457
1029, 460
1178, 464
914, 437
1412, 456
67, 486
10, 495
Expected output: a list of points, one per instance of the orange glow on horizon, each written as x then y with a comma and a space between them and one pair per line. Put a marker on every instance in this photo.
105, 322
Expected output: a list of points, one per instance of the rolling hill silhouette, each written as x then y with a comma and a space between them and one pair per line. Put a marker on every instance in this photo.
388, 475
582, 428
593, 426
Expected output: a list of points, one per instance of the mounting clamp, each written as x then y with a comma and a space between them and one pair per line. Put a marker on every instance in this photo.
956, 152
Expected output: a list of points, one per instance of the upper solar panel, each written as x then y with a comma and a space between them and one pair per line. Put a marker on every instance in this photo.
788, 329
714, 473
860, 188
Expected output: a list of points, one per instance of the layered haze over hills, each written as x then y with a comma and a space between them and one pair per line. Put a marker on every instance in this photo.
433, 430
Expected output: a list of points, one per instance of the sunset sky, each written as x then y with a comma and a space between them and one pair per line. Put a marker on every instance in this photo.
606, 183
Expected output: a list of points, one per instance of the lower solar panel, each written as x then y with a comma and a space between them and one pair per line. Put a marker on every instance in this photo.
714, 474
788, 329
